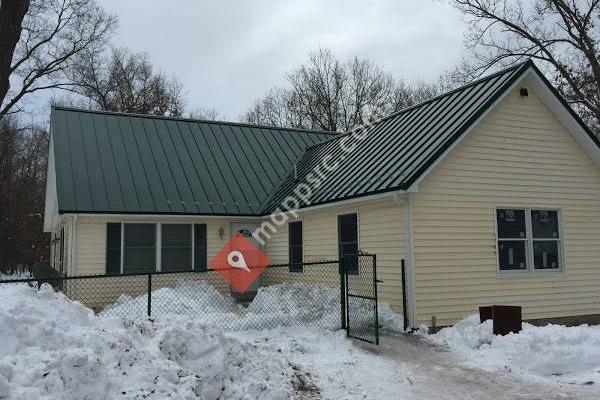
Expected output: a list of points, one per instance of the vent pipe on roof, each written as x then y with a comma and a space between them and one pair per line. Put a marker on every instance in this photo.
295, 172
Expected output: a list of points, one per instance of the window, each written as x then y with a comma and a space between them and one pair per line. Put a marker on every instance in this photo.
113, 249
139, 248
176, 247
348, 241
200, 253
295, 249
131, 247
528, 239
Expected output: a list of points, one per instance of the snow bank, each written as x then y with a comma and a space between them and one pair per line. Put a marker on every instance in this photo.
295, 304
564, 354
56, 348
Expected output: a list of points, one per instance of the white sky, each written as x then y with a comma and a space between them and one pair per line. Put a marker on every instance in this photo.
229, 52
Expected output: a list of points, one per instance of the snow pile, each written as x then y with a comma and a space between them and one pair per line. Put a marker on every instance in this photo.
564, 354
56, 348
193, 299
390, 320
295, 304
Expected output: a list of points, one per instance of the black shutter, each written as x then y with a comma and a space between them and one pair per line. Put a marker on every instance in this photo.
200, 252
113, 249
295, 244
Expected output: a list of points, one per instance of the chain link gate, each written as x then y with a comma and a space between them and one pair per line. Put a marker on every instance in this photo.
359, 300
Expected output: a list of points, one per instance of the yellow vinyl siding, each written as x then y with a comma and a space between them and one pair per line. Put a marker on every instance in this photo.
519, 155
91, 247
381, 232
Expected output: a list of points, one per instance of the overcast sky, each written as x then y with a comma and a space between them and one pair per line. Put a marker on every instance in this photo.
227, 53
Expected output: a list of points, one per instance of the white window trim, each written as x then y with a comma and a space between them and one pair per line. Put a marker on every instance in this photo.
530, 270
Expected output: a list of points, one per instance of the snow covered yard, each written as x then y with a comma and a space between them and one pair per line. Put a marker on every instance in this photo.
54, 348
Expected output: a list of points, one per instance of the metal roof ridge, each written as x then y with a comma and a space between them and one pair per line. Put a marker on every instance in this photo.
196, 120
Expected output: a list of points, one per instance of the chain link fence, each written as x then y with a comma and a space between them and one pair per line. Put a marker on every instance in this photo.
305, 294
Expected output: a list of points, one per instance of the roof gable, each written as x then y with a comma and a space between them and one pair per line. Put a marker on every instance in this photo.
122, 163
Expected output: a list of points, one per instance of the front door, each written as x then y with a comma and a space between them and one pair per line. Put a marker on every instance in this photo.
246, 230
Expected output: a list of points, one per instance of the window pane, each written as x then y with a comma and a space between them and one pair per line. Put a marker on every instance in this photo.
348, 228
200, 257
140, 235
176, 235
511, 223
113, 248
176, 259
544, 224
139, 260
176, 252
295, 233
545, 254
512, 255
140, 250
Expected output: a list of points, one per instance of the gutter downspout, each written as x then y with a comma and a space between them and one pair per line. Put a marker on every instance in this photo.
409, 262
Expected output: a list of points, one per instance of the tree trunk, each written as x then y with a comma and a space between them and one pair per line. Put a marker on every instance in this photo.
12, 13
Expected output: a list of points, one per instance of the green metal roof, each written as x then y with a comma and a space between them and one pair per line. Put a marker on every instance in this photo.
125, 163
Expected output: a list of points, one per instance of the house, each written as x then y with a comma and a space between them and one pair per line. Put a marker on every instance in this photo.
490, 193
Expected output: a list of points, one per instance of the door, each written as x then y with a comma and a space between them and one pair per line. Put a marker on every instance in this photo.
246, 230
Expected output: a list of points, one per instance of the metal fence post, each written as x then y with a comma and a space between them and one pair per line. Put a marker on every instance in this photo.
404, 310
376, 299
342, 292
149, 295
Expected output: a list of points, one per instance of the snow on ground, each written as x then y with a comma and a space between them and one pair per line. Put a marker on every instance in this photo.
53, 347
552, 352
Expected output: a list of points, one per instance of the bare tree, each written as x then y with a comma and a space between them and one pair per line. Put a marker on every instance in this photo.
127, 82
23, 158
208, 114
51, 35
328, 94
279, 107
561, 34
